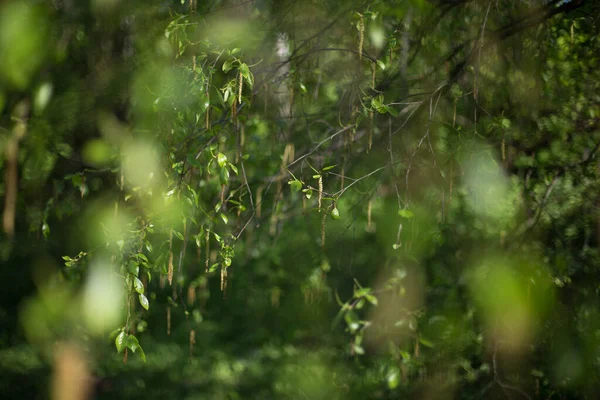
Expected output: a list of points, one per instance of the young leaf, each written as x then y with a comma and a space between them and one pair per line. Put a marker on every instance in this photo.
224, 176
222, 160
393, 379
372, 299
138, 285
404, 213
142, 354
335, 213
295, 184
227, 65
132, 343
120, 341
144, 301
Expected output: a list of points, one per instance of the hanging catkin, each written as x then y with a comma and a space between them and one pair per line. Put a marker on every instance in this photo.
191, 295
207, 118
170, 270
192, 342
320, 197
373, 69
361, 36
168, 320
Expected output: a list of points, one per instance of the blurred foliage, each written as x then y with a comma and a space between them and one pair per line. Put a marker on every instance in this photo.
300, 199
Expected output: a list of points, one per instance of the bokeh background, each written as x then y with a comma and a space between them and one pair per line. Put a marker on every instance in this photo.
299, 199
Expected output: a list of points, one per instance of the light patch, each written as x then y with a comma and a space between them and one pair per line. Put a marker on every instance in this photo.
97, 152
23, 39
140, 163
42, 96
487, 187
377, 36
509, 299
102, 298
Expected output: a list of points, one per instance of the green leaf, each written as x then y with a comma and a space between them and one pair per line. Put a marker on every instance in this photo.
381, 65
233, 168
404, 213
372, 299
133, 268
393, 379
138, 285
376, 102
142, 354
222, 160
226, 95
224, 176
120, 341
296, 185
144, 301
218, 206
246, 74
352, 320
425, 342
308, 193
113, 335
327, 168
227, 65
359, 350
224, 218
178, 234
335, 213
45, 230
134, 345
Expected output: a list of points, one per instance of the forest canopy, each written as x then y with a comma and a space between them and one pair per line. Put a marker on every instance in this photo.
300, 199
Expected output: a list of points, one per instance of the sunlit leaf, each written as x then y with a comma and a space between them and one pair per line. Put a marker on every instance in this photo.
144, 301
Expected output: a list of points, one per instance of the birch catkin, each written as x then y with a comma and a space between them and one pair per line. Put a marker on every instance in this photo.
361, 37
170, 271
320, 198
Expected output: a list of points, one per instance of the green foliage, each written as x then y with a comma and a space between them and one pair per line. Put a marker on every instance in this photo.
439, 235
